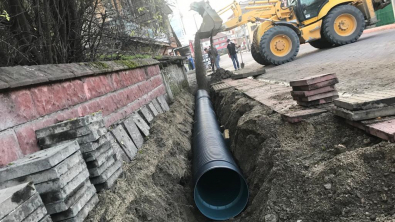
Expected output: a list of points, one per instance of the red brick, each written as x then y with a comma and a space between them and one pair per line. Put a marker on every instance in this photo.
27, 136
120, 98
16, 107
97, 86
134, 76
313, 79
117, 81
49, 99
9, 147
112, 118
153, 71
75, 92
128, 77
89, 107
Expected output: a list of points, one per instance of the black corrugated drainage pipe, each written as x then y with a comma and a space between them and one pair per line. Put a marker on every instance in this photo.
220, 190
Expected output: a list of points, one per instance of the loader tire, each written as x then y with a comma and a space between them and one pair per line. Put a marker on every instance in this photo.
257, 56
343, 25
279, 45
321, 44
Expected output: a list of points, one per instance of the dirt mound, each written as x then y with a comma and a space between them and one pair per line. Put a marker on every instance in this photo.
318, 170
220, 74
156, 186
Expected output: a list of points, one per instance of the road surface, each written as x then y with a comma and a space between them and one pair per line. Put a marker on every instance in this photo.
367, 65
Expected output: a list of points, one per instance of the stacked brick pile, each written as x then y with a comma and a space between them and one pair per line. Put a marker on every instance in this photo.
315, 90
103, 163
22, 203
61, 178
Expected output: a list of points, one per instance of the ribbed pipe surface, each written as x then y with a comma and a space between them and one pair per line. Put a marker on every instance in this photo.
220, 190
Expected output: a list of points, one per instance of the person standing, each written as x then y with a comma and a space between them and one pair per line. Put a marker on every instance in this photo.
211, 56
233, 54
216, 57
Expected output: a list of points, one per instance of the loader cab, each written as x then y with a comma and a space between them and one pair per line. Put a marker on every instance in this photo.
306, 9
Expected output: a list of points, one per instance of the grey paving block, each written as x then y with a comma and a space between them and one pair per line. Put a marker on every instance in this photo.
364, 114
117, 149
92, 146
37, 215
12, 197
46, 175
163, 103
76, 207
80, 131
24, 77
134, 132
65, 204
153, 110
85, 210
146, 114
53, 72
91, 156
106, 174
110, 182
24, 210
141, 124
57, 184
101, 159
70, 124
125, 142
46, 219
67, 190
39, 161
367, 101
157, 106
95, 172
82, 138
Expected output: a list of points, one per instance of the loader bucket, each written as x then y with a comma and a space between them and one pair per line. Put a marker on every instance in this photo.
212, 23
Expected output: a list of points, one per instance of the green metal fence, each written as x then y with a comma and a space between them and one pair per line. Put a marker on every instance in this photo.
385, 16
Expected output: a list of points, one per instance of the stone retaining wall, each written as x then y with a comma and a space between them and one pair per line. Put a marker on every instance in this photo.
34, 97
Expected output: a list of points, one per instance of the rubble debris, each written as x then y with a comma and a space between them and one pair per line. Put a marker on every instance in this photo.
315, 90
220, 74
60, 176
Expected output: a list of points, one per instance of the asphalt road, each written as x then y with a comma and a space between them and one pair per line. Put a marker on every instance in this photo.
366, 65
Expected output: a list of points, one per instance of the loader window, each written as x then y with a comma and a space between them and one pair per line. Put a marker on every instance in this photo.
311, 8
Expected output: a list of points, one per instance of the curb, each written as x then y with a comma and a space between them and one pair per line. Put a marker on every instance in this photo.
378, 29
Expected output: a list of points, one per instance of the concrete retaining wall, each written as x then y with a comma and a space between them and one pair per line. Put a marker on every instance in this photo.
34, 97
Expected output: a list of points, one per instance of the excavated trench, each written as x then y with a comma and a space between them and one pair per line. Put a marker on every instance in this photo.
317, 170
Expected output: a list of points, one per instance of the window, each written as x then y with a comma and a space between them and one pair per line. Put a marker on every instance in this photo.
216, 46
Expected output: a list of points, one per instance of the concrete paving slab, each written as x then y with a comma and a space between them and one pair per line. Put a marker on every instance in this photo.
220, 86
82, 138
67, 190
39, 161
85, 210
46, 175
313, 79
102, 158
313, 92
25, 77
117, 148
91, 156
76, 207
146, 114
153, 109
364, 114
157, 106
163, 103
110, 182
318, 85
63, 180
141, 124
106, 174
298, 116
381, 128
70, 124
12, 197
65, 204
249, 74
80, 131
316, 97
24, 210
46, 219
37, 215
134, 132
367, 101
125, 142
95, 172
317, 102
92, 146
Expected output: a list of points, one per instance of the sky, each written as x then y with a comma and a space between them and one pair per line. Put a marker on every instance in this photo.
189, 17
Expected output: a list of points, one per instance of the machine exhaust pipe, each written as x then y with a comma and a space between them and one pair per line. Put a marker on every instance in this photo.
220, 190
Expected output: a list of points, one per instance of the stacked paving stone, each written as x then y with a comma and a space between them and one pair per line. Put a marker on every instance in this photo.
315, 90
61, 178
22, 203
104, 165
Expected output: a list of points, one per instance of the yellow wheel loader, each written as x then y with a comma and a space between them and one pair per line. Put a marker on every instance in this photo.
284, 25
